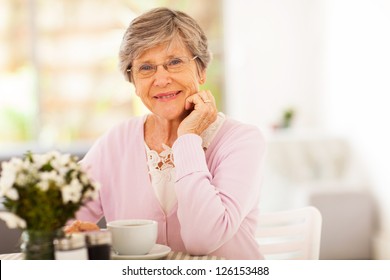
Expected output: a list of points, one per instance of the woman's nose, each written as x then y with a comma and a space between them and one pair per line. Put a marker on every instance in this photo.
162, 77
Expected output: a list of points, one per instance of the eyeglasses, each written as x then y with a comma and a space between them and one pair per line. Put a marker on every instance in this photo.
146, 70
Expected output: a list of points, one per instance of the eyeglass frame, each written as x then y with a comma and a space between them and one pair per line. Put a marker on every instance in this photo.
155, 66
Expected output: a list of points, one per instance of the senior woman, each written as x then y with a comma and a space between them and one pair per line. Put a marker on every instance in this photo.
192, 169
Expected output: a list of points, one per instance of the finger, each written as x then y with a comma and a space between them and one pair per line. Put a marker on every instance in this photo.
193, 100
207, 97
68, 229
88, 226
204, 96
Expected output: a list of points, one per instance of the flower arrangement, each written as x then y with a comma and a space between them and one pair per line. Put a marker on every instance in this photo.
43, 191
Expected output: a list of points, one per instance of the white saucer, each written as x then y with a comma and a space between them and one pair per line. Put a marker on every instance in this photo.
158, 251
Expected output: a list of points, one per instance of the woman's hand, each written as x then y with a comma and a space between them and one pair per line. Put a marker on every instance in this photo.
80, 226
204, 112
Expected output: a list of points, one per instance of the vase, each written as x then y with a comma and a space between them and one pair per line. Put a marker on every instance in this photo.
38, 245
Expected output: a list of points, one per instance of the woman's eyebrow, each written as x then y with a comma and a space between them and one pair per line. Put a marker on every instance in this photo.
152, 61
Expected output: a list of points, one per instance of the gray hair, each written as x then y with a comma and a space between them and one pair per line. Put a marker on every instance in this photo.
158, 26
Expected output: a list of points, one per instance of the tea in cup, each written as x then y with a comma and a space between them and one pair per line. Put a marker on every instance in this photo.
133, 237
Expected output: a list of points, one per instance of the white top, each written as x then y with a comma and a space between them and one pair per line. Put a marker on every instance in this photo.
162, 169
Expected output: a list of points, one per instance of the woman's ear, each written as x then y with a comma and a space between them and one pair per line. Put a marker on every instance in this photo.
202, 77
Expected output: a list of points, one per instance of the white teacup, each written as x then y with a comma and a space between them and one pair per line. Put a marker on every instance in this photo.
133, 237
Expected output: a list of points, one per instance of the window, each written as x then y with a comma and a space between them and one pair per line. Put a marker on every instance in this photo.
59, 77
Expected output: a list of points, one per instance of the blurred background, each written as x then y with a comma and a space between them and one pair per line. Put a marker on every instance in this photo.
313, 75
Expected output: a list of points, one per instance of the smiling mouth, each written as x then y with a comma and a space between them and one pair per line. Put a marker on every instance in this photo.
166, 96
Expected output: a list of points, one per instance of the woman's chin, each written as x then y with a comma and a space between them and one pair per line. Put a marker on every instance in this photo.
172, 115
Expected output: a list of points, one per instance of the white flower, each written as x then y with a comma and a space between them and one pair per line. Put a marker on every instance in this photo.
12, 194
50, 176
93, 194
60, 161
14, 165
53, 155
71, 192
9, 171
12, 220
65, 159
27, 165
7, 180
90, 195
84, 179
96, 186
43, 185
22, 179
40, 160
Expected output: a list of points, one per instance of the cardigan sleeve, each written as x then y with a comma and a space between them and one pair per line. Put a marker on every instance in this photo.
213, 205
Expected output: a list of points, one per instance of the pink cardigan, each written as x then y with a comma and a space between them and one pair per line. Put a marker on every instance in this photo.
217, 190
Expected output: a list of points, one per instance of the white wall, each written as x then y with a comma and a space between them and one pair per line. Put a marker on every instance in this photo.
358, 90
330, 59
274, 59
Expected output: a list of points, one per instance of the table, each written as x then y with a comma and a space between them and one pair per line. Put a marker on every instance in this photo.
171, 256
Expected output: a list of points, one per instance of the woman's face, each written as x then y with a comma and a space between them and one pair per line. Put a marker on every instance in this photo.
164, 93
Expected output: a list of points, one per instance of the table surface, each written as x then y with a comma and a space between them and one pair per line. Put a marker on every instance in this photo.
171, 256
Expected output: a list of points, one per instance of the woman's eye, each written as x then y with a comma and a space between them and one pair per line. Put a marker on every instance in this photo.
145, 68
175, 62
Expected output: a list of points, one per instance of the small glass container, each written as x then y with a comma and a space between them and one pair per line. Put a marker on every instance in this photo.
99, 245
71, 247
